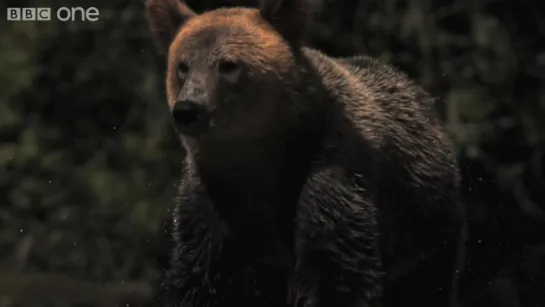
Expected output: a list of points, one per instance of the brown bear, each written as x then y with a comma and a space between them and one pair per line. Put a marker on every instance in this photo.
310, 180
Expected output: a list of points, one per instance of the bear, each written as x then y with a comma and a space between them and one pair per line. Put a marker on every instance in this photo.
308, 180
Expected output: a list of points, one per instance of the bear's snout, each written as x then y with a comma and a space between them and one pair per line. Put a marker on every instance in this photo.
191, 118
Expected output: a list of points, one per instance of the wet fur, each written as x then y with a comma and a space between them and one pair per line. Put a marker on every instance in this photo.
347, 196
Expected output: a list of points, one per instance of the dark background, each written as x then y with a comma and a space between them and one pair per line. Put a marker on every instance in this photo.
89, 161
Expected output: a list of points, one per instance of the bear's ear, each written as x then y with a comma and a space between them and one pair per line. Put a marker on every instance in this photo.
164, 19
290, 18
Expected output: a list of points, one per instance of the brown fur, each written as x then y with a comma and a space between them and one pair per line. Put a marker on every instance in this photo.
244, 37
337, 170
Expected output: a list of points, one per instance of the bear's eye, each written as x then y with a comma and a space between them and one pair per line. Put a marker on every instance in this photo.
227, 67
182, 70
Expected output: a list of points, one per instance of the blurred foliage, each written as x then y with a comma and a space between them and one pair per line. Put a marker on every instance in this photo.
89, 162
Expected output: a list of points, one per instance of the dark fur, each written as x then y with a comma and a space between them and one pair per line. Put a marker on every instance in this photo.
328, 182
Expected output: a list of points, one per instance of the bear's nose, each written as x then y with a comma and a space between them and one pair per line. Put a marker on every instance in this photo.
187, 112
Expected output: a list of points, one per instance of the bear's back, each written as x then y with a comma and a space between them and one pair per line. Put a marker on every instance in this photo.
388, 132
388, 112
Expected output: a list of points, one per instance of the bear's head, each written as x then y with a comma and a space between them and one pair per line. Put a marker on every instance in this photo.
230, 70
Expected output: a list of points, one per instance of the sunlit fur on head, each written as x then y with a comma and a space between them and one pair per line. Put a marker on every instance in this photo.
239, 35
290, 18
265, 41
164, 19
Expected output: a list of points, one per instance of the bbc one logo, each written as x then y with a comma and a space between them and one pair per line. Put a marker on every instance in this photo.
44, 13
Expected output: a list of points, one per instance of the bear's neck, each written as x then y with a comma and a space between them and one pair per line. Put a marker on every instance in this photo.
241, 165
253, 185
254, 182
246, 167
